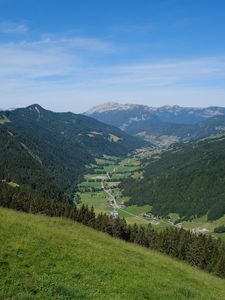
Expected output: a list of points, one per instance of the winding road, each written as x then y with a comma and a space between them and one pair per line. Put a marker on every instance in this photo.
117, 207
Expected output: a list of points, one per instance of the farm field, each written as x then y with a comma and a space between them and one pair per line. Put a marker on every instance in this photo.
92, 184
202, 223
220, 235
53, 258
119, 176
96, 199
133, 214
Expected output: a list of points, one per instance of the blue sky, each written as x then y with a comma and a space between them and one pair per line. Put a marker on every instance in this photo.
71, 55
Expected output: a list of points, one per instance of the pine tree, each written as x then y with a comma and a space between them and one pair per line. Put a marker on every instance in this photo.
134, 232
141, 237
220, 267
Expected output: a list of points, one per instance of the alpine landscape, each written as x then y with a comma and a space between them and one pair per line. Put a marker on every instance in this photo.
112, 150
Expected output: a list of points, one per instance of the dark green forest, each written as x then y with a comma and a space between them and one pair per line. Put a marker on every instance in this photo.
49, 151
200, 250
188, 179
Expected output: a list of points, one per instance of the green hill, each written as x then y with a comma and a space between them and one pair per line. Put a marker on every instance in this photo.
188, 179
53, 258
38, 146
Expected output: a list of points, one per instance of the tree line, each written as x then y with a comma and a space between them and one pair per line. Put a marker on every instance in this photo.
199, 250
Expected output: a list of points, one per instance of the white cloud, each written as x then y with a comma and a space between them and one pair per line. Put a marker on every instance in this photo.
32, 61
9, 27
48, 57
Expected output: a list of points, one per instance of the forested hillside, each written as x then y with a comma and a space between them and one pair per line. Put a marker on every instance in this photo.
49, 151
188, 179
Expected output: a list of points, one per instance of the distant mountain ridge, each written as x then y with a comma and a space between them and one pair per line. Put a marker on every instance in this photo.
166, 113
156, 124
43, 149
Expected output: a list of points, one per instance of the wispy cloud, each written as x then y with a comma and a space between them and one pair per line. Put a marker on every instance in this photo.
172, 72
49, 57
69, 71
13, 28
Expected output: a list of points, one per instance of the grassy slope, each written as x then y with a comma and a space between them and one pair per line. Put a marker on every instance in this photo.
44, 258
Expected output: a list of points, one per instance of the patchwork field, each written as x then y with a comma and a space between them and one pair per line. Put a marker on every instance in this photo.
111, 170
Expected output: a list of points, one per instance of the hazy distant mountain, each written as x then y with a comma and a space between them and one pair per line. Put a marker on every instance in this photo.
165, 124
136, 112
42, 148
121, 115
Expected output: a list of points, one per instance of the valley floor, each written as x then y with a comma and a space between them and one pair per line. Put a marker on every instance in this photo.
101, 188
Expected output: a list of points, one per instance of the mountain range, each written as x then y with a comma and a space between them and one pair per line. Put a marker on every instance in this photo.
48, 152
43, 157
163, 125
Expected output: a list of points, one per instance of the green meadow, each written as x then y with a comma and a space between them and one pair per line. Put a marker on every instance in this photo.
52, 258
96, 199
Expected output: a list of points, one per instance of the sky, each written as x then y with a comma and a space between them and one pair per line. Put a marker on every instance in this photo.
71, 55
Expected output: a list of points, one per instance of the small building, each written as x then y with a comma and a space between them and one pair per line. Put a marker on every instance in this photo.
113, 214
111, 201
198, 230
148, 215
155, 222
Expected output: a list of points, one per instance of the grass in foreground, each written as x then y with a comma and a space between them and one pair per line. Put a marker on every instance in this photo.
52, 258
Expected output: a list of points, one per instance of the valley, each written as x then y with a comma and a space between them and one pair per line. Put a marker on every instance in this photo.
164, 198
102, 189
53, 160
112, 150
